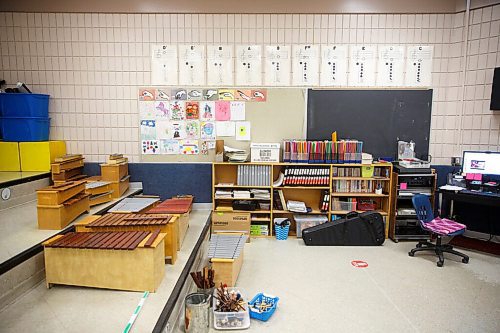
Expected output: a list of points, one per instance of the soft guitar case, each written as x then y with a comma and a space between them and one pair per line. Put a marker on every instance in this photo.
365, 229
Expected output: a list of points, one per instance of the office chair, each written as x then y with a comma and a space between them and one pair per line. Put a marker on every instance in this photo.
438, 227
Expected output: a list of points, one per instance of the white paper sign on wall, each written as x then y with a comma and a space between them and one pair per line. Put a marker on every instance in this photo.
192, 65
362, 65
220, 65
164, 65
277, 65
305, 65
419, 66
333, 69
248, 65
390, 66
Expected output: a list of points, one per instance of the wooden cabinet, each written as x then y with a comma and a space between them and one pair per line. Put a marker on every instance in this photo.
349, 187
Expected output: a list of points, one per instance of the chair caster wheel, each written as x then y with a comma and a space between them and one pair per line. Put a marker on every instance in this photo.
440, 264
411, 254
465, 260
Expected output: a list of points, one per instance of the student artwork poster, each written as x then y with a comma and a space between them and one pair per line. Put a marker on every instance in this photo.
192, 129
207, 130
189, 147
207, 111
148, 129
177, 110
170, 147
150, 147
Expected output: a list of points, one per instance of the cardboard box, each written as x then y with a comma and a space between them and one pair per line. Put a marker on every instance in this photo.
231, 222
37, 156
259, 230
265, 152
10, 156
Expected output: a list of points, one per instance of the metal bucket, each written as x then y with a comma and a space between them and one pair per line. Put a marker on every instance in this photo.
197, 313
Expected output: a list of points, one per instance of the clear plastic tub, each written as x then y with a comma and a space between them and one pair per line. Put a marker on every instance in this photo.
232, 320
306, 221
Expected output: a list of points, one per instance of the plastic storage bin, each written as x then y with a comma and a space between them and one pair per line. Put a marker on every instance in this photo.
306, 221
343, 205
266, 314
25, 128
231, 320
24, 105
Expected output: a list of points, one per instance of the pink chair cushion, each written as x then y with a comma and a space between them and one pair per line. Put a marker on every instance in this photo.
443, 226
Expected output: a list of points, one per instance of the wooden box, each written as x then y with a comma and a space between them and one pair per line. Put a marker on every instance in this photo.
170, 230
67, 165
67, 174
56, 217
98, 199
37, 156
183, 228
114, 172
120, 187
227, 270
137, 270
57, 194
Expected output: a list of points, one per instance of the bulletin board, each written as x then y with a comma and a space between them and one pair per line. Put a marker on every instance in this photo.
281, 116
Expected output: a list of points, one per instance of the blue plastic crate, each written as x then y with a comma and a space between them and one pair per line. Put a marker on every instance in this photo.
25, 129
24, 105
264, 315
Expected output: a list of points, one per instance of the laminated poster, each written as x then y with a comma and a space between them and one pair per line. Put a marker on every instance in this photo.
243, 130
220, 65
179, 94
243, 95
225, 128
237, 110
210, 95
177, 110
162, 109
147, 94
195, 94
192, 129
259, 95
277, 65
192, 110
178, 129
207, 130
226, 94
207, 111
222, 111
189, 147
192, 64
164, 65
162, 94
169, 147
150, 147
148, 129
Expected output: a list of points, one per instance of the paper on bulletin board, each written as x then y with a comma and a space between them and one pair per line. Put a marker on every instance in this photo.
207, 110
333, 68
150, 147
222, 111
362, 65
163, 129
225, 128
192, 64
305, 65
177, 110
164, 65
178, 130
207, 130
243, 130
192, 110
390, 65
248, 65
147, 110
162, 109
237, 110
192, 129
169, 147
148, 129
189, 147
220, 65
277, 65
418, 66
226, 94
211, 144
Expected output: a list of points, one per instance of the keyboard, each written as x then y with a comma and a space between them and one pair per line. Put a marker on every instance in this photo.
488, 194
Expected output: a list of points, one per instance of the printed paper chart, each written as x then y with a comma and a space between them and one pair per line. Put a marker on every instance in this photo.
277, 65
248, 65
333, 70
192, 64
164, 68
220, 65
390, 66
305, 65
362, 65
419, 66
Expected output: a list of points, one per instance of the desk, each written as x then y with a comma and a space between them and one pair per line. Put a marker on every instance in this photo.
479, 212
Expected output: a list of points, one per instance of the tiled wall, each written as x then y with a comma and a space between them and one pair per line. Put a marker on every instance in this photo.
92, 65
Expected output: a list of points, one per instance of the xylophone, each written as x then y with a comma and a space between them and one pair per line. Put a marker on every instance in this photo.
138, 222
128, 260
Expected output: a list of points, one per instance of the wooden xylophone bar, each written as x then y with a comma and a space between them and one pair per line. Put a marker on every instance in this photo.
111, 220
121, 240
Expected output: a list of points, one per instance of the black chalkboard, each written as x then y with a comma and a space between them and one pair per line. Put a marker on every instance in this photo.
379, 118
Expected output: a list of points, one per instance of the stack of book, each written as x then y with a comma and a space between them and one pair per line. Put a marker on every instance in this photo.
296, 206
303, 151
254, 175
308, 176
223, 194
241, 194
260, 194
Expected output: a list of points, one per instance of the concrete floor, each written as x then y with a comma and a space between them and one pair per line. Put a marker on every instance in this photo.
76, 309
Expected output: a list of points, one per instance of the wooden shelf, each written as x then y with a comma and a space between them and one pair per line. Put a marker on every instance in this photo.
361, 178
242, 199
303, 187
240, 186
343, 212
357, 194
314, 211
244, 211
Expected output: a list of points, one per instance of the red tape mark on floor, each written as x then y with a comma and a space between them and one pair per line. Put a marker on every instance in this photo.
359, 263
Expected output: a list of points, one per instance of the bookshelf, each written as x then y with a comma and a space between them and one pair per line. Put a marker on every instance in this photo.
225, 177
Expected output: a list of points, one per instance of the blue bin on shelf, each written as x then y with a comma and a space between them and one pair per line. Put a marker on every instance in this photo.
281, 233
263, 315
25, 128
24, 105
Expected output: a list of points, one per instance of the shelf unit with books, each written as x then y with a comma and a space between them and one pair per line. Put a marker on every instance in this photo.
320, 195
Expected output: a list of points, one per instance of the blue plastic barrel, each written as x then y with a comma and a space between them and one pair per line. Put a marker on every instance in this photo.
25, 128
24, 105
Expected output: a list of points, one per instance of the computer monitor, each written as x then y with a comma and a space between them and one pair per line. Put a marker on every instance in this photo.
484, 162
